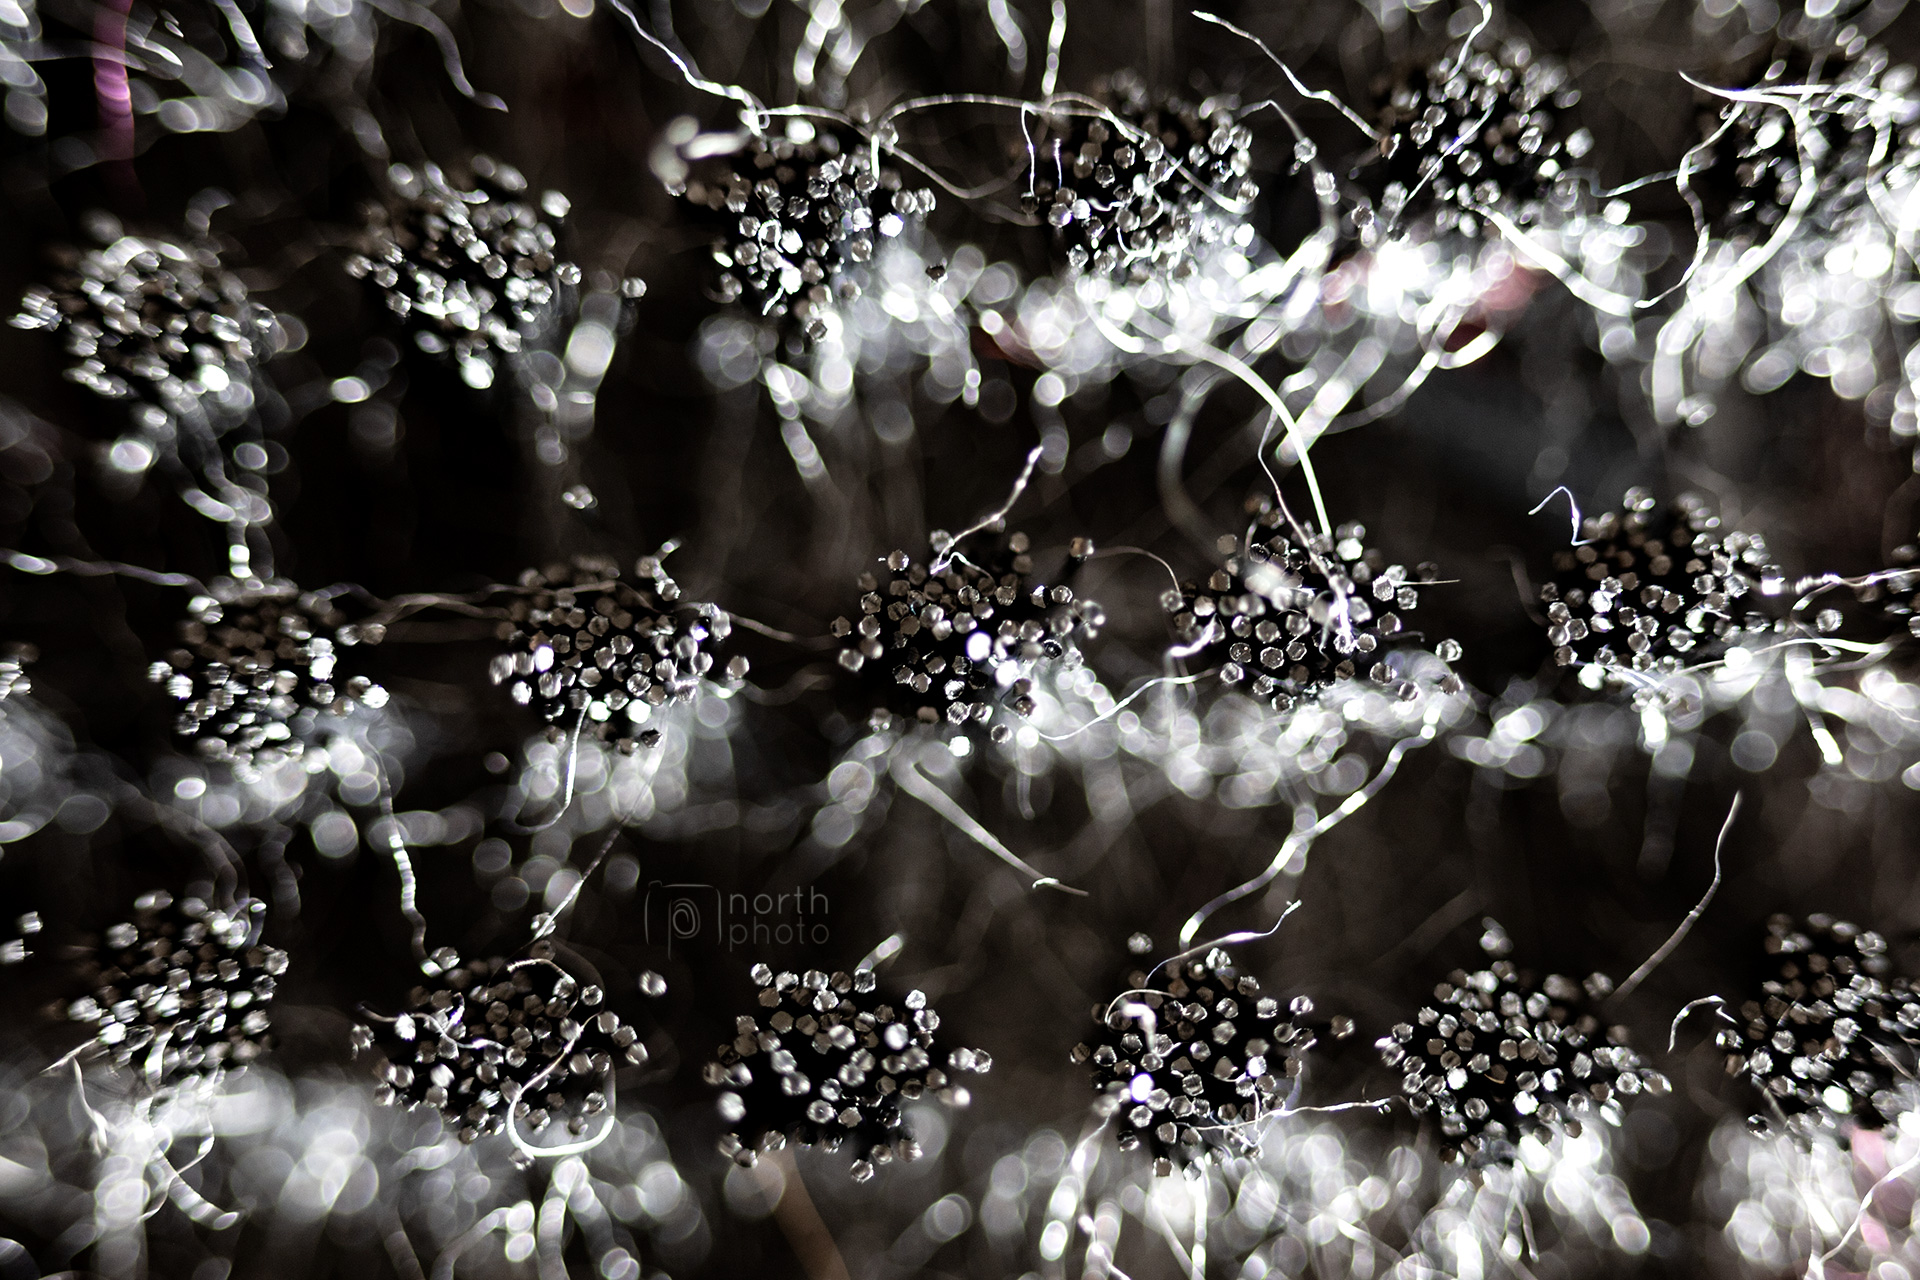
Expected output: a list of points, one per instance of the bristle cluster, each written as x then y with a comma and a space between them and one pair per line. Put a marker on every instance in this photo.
181, 990
160, 323
1831, 1040
1133, 193
962, 646
1496, 1058
799, 212
831, 1066
1190, 1060
1653, 589
18, 948
587, 648
1851, 120
1898, 593
1476, 130
475, 272
254, 671
1288, 620
14, 661
497, 1040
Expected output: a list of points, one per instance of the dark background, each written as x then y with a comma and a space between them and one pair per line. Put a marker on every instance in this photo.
1392, 900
